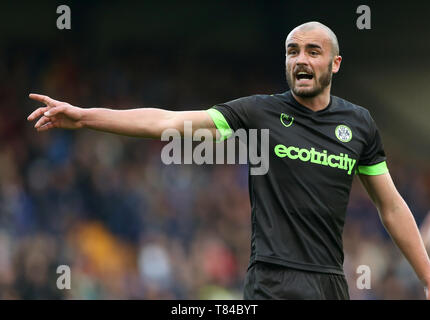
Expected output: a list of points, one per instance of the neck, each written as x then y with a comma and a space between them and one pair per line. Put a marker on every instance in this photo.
316, 103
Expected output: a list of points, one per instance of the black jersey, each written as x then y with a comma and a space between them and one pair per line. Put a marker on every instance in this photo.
299, 205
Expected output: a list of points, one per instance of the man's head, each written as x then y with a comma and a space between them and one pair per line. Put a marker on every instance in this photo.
312, 56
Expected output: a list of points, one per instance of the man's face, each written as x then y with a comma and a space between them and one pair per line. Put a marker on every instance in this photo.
309, 62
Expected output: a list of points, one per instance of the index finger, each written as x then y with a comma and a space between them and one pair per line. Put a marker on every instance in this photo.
41, 98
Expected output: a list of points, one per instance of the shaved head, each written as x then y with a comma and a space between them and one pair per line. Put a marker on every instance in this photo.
311, 58
317, 25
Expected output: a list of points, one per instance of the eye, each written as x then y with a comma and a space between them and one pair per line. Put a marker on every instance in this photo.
314, 53
292, 52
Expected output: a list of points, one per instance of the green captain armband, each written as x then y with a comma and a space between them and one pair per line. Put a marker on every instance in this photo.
373, 170
220, 123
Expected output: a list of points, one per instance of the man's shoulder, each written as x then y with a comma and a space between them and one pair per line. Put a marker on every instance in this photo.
343, 104
254, 101
258, 97
250, 98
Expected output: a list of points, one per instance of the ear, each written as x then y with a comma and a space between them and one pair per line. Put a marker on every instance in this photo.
336, 63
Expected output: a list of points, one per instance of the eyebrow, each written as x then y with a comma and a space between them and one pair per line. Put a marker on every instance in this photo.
308, 46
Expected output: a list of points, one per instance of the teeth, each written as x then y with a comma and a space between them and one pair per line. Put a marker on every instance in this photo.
302, 72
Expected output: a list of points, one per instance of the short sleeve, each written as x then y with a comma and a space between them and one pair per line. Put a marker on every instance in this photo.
372, 160
233, 115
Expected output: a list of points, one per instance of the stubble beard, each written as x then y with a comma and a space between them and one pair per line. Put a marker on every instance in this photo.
322, 82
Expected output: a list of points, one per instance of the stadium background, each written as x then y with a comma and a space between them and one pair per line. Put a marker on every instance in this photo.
132, 227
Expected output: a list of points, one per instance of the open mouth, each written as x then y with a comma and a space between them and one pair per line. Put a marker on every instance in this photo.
302, 75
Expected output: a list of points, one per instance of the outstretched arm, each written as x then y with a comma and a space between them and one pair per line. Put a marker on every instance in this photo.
399, 222
144, 122
425, 231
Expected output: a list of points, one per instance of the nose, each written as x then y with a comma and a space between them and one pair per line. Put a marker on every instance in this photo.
302, 58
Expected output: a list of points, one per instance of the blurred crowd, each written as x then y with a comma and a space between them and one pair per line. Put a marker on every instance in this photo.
130, 227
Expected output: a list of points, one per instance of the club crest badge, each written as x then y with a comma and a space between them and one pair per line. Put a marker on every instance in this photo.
343, 133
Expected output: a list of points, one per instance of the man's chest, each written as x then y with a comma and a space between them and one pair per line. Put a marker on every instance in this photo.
300, 140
